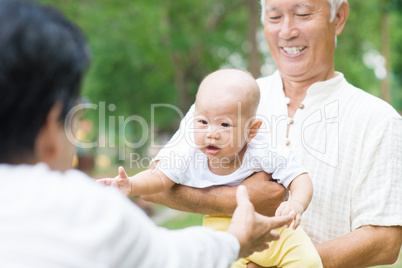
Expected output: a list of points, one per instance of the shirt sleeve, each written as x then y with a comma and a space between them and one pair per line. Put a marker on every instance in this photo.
138, 242
175, 166
377, 190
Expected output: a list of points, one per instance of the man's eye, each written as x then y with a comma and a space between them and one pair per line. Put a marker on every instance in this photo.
225, 125
274, 18
203, 122
273, 15
303, 15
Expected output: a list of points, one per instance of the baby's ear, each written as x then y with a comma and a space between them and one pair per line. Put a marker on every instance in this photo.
253, 129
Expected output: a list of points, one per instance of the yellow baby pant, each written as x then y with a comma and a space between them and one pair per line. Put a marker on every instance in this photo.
294, 249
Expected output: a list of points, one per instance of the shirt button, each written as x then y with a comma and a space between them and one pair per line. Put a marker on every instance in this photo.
287, 142
290, 121
301, 106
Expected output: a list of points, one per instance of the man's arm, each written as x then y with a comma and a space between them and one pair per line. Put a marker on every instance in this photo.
265, 195
366, 246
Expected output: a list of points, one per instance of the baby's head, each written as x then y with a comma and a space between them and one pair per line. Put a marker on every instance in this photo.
225, 109
230, 87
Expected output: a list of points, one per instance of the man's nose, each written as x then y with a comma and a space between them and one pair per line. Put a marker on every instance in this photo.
288, 29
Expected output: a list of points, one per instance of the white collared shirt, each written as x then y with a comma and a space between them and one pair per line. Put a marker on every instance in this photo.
351, 143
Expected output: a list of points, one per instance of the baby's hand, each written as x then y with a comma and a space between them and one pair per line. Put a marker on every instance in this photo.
121, 181
292, 208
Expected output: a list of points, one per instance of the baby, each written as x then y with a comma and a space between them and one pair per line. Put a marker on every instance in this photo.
227, 149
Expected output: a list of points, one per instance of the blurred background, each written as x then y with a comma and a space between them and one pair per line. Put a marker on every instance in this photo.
148, 52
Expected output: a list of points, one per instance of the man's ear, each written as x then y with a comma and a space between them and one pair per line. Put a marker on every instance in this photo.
341, 17
47, 144
253, 129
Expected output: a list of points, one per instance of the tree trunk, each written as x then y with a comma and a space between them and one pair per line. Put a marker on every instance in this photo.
254, 57
180, 80
385, 51
180, 71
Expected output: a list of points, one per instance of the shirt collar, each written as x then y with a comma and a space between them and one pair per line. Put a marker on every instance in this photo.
327, 86
317, 88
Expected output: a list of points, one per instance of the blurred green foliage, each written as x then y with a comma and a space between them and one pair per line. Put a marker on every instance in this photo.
362, 33
149, 51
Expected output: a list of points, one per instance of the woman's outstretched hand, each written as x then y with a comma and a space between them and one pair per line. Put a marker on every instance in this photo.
253, 230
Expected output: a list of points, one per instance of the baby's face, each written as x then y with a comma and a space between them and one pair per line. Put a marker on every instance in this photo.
220, 126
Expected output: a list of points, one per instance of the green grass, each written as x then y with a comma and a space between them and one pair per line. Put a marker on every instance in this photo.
183, 220
397, 264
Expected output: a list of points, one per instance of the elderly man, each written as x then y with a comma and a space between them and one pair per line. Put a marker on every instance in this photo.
52, 218
350, 141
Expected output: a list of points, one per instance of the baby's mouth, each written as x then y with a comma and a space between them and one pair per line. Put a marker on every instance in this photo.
212, 149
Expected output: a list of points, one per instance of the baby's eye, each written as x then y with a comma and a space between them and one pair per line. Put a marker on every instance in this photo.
225, 125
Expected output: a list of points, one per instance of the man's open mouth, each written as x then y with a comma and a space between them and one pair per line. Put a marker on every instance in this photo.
293, 50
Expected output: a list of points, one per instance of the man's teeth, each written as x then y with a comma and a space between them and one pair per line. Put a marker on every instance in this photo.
293, 50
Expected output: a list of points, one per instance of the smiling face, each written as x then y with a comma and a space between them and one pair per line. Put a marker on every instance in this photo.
225, 103
301, 37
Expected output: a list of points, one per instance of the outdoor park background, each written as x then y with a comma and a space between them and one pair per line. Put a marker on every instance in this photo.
151, 52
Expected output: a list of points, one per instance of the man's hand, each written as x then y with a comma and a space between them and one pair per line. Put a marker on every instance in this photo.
121, 181
265, 194
253, 230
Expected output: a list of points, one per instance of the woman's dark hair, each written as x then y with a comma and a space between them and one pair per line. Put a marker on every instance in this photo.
43, 58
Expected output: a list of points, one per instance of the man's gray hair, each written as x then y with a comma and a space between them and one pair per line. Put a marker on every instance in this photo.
335, 4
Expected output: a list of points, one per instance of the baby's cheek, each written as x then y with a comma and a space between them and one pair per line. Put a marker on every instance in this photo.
199, 139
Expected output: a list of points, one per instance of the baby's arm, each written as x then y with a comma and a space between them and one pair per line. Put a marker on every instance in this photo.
143, 183
150, 182
301, 190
